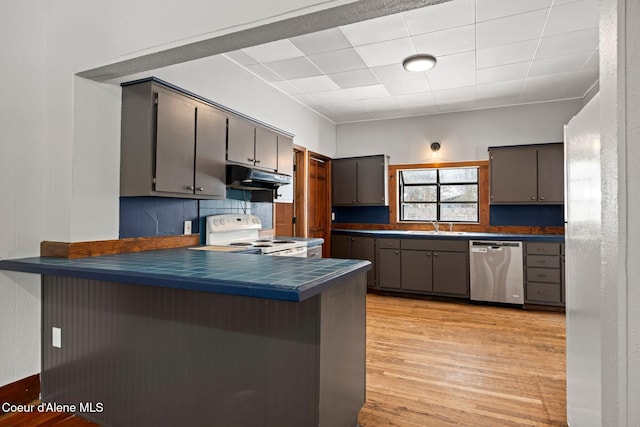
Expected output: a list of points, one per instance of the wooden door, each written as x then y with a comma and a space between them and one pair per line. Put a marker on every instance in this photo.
284, 219
318, 207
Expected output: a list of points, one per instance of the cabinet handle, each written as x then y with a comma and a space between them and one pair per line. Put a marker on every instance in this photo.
311, 255
200, 188
429, 254
353, 201
533, 197
541, 198
435, 254
397, 252
191, 188
250, 159
257, 161
543, 293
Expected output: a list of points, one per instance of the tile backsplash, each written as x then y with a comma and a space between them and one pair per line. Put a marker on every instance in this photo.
162, 216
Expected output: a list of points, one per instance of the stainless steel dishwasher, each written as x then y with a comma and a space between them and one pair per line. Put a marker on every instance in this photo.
496, 271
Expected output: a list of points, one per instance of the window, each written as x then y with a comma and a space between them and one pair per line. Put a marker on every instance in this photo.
439, 194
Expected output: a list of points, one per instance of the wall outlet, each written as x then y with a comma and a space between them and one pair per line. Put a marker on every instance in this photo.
56, 337
187, 227
333, 216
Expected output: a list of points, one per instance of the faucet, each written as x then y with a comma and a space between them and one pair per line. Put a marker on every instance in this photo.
435, 225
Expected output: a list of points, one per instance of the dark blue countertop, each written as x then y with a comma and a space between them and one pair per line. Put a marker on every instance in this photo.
453, 235
280, 278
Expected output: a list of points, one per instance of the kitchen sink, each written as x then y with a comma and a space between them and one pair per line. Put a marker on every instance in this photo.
433, 232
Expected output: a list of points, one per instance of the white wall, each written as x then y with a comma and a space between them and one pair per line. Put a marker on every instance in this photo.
464, 135
59, 134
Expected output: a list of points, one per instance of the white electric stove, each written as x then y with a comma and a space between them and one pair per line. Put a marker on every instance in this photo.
240, 230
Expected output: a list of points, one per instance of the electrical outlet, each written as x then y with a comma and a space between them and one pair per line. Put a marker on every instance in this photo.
187, 227
333, 216
56, 337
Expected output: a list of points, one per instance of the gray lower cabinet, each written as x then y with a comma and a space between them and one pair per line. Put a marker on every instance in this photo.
360, 181
424, 265
544, 273
172, 144
356, 247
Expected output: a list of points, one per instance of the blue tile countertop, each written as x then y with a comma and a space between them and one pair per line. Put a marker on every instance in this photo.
279, 278
453, 235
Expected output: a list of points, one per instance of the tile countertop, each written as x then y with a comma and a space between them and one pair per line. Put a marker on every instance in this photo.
453, 235
279, 278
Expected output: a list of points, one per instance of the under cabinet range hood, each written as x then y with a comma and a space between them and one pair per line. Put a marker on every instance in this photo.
245, 178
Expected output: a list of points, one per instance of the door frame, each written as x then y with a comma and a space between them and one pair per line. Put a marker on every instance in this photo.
327, 240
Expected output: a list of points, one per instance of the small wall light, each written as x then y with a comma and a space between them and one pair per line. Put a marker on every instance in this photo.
435, 147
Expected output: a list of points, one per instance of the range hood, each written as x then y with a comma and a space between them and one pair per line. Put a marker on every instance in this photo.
246, 178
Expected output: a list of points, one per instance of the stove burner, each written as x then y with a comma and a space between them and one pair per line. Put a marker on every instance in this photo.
263, 240
282, 241
263, 245
239, 244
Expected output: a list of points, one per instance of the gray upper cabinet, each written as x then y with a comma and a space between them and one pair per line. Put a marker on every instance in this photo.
532, 174
165, 149
252, 145
285, 155
360, 181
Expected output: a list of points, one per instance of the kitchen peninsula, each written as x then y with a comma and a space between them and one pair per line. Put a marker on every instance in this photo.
184, 337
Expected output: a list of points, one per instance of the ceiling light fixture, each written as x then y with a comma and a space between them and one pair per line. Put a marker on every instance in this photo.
435, 146
419, 62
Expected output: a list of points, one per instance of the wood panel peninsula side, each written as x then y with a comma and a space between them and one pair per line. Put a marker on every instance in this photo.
199, 338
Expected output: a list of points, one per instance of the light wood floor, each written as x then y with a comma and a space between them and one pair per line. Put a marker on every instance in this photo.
446, 364
453, 364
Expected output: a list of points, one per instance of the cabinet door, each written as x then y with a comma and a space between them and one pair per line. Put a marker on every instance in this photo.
389, 268
266, 149
364, 248
340, 246
285, 166
175, 148
211, 139
370, 181
551, 175
417, 270
344, 181
450, 273
240, 146
514, 176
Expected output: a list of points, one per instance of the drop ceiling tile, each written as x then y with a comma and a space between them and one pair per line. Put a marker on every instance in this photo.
294, 68
354, 78
503, 73
454, 96
575, 16
386, 53
441, 16
394, 73
493, 9
384, 103
558, 64
507, 54
582, 83
416, 100
456, 63
547, 87
286, 87
321, 41
496, 101
376, 30
331, 96
263, 72
365, 92
446, 42
338, 60
504, 89
314, 84
453, 81
568, 43
274, 51
420, 110
525, 26
352, 117
448, 107
407, 86
241, 58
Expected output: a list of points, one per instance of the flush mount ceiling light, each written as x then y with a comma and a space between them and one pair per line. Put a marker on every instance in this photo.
435, 146
419, 62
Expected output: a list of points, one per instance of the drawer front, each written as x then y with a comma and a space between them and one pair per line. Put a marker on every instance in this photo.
543, 248
543, 261
436, 245
389, 243
314, 252
547, 275
543, 292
